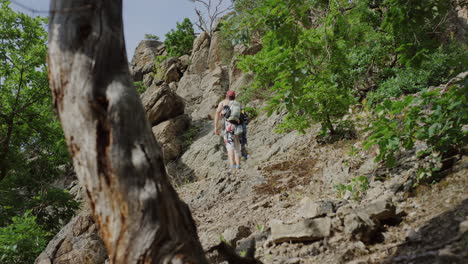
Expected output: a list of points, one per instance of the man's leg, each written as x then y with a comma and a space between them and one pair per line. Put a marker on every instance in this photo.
237, 151
230, 152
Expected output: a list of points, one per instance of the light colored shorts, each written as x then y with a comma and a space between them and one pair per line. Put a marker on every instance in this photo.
232, 143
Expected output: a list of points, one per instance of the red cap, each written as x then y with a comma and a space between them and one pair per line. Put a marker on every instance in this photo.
230, 93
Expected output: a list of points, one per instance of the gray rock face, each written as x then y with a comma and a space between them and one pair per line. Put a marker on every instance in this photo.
202, 93
304, 230
380, 210
172, 74
311, 209
360, 226
77, 242
143, 59
161, 104
215, 51
168, 134
184, 62
200, 54
234, 234
189, 87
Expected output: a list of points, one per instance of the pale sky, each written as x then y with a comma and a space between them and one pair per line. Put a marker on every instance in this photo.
140, 17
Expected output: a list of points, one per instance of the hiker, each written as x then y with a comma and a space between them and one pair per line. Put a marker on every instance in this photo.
229, 109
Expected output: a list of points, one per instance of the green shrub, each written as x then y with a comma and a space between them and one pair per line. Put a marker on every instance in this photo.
141, 88
180, 41
437, 67
434, 117
312, 66
188, 136
357, 187
151, 37
53, 208
22, 241
251, 112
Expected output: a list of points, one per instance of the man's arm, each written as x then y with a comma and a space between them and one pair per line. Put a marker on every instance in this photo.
217, 115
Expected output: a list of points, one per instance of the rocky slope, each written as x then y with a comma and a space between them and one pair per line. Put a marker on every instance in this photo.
283, 202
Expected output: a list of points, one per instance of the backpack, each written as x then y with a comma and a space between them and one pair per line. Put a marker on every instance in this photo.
234, 112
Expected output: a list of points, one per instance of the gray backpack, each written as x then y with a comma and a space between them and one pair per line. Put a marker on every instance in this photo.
234, 113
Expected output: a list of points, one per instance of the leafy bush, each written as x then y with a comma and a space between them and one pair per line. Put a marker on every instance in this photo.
317, 55
53, 208
434, 117
438, 67
22, 241
251, 112
189, 135
180, 41
151, 37
357, 187
141, 88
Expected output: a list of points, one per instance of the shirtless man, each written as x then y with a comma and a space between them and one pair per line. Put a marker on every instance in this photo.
233, 146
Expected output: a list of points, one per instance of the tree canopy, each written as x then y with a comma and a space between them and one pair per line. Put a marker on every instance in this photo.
32, 148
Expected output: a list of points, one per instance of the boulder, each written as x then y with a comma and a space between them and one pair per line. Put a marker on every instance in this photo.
143, 58
189, 88
237, 78
77, 242
184, 62
214, 86
360, 226
216, 51
380, 210
304, 230
172, 74
234, 234
200, 54
203, 93
161, 104
311, 209
148, 80
242, 49
168, 134
463, 226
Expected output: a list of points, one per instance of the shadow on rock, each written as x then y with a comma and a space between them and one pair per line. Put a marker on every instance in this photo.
444, 239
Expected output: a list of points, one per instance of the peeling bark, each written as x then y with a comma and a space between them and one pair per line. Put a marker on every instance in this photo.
140, 216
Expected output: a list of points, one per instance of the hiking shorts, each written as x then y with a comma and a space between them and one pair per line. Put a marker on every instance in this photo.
232, 143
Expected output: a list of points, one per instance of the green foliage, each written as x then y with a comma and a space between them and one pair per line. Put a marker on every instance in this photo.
260, 228
158, 71
22, 241
357, 187
436, 68
251, 112
434, 117
316, 51
33, 152
222, 239
188, 136
151, 37
180, 41
414, 25
141, 88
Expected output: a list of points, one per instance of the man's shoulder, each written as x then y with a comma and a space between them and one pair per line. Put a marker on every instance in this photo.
221, 104
224, 102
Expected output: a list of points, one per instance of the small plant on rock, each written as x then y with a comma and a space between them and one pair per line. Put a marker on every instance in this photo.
189, 136
357, 187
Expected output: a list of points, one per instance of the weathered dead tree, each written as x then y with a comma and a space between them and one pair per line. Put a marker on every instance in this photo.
208, 18
117, 160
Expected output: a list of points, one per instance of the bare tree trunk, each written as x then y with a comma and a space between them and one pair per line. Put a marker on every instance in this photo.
119, 163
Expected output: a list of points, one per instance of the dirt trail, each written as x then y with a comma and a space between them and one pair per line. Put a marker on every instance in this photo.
428, 229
